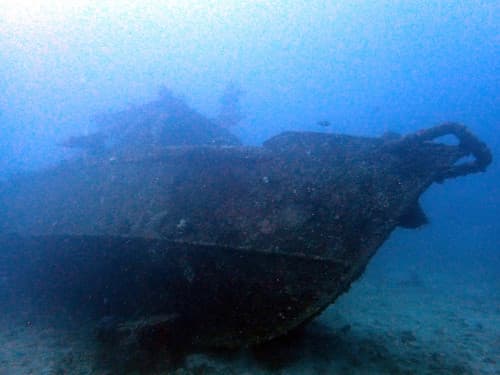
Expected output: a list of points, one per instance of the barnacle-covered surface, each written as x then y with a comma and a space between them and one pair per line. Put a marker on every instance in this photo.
236, 245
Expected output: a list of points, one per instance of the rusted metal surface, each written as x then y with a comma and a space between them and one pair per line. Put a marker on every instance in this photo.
235, 245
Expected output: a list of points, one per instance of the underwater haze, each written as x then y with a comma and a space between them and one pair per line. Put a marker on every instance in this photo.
429, 300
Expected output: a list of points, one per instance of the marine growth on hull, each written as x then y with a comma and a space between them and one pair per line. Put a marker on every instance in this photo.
168, 232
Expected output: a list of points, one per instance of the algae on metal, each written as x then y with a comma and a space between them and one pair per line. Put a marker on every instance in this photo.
221, 245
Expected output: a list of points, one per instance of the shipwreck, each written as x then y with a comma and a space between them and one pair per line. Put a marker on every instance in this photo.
218, 245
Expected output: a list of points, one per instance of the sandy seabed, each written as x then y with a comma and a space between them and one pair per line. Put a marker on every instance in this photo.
384, 325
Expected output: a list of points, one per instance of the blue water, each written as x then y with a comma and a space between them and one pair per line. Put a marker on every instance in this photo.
365, 67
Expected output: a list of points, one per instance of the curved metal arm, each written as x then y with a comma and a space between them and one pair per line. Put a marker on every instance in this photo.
469, 144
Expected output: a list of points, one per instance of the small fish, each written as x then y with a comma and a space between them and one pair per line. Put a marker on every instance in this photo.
324, 123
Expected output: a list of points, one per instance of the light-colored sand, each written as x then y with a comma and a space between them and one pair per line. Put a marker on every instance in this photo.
383, 325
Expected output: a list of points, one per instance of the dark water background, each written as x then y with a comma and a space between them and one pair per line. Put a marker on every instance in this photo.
366, 67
